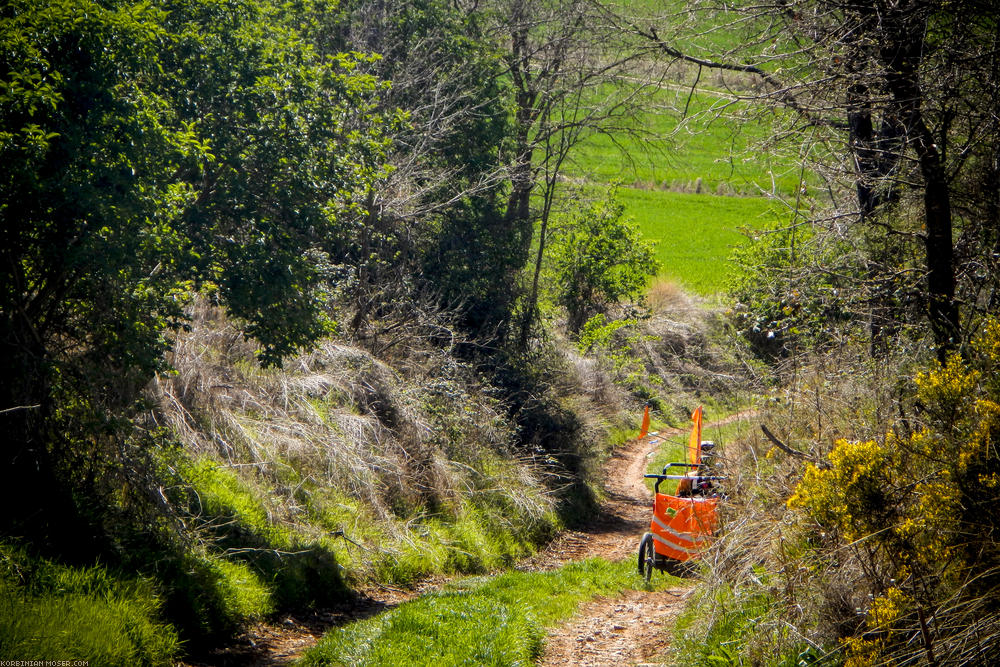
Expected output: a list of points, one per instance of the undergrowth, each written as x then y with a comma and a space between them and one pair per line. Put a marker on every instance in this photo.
294, 486
860, 533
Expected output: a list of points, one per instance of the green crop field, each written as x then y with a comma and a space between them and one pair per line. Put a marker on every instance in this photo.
695, 182
695, 234
713, 149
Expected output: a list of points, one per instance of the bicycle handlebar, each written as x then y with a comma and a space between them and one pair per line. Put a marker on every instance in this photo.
660, 478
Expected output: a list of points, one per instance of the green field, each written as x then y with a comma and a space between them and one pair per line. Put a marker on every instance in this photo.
713, 149
695, 234
693, 182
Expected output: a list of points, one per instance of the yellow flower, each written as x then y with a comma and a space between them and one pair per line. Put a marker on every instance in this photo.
887, 608
862, 652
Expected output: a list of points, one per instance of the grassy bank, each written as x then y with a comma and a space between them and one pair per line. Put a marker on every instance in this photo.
56, 612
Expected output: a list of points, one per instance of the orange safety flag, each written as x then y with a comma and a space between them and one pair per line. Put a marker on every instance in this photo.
681, 527
694, 443
645, 424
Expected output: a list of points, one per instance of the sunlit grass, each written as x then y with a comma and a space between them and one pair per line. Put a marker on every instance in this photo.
478, 621
58, 613
702, 142
695, 234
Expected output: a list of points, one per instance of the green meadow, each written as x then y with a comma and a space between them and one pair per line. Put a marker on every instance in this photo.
697, 175
695, 234
703, 142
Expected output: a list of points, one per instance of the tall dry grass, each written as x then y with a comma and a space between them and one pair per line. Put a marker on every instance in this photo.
388, 459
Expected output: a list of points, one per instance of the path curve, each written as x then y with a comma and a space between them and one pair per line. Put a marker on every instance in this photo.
630, 629
634, 628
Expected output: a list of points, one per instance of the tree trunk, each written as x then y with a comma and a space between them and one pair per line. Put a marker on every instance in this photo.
901, 52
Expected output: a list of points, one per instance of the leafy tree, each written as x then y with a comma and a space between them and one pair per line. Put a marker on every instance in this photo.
88, 204
793, 287
599, 260
149, 150
296, 142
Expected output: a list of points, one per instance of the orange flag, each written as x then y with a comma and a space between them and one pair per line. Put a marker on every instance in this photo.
645, 424
694, 443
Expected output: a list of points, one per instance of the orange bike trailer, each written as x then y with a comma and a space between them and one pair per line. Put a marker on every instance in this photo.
682, 524
681, 527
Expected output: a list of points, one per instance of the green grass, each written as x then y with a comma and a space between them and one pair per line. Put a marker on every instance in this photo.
714, 143
479, 621
482, 532
55, 612
717, 631
695, 234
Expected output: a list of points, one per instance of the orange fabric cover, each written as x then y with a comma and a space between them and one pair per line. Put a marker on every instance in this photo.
681, 527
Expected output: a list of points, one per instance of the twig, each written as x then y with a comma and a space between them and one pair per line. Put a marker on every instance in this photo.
19, 407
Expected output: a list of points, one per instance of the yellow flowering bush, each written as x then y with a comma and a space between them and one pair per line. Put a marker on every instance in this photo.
850, 494
863, 652
885, 609
918, 507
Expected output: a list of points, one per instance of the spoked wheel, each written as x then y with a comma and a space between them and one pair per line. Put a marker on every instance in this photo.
646, 557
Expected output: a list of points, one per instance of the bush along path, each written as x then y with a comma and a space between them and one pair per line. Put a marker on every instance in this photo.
580, 601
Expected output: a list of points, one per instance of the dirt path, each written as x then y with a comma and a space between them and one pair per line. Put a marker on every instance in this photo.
614, 533
628, 630
631, 629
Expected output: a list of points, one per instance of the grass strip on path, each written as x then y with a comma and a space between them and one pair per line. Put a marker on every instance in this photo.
496, 621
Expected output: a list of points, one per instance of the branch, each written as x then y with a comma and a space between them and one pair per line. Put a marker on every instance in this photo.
788, 450
19, 407
781, 91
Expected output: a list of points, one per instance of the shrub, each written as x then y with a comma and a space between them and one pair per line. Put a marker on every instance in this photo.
600, 260
918, 510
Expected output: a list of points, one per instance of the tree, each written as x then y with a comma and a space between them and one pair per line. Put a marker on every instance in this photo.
297, 143
902, 89
599, 260
440, 211
149, 151
571, 76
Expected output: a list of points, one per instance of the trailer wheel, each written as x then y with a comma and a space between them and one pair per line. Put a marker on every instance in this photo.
646, 557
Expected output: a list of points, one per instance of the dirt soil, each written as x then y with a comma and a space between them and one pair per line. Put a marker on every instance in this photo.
629, 630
